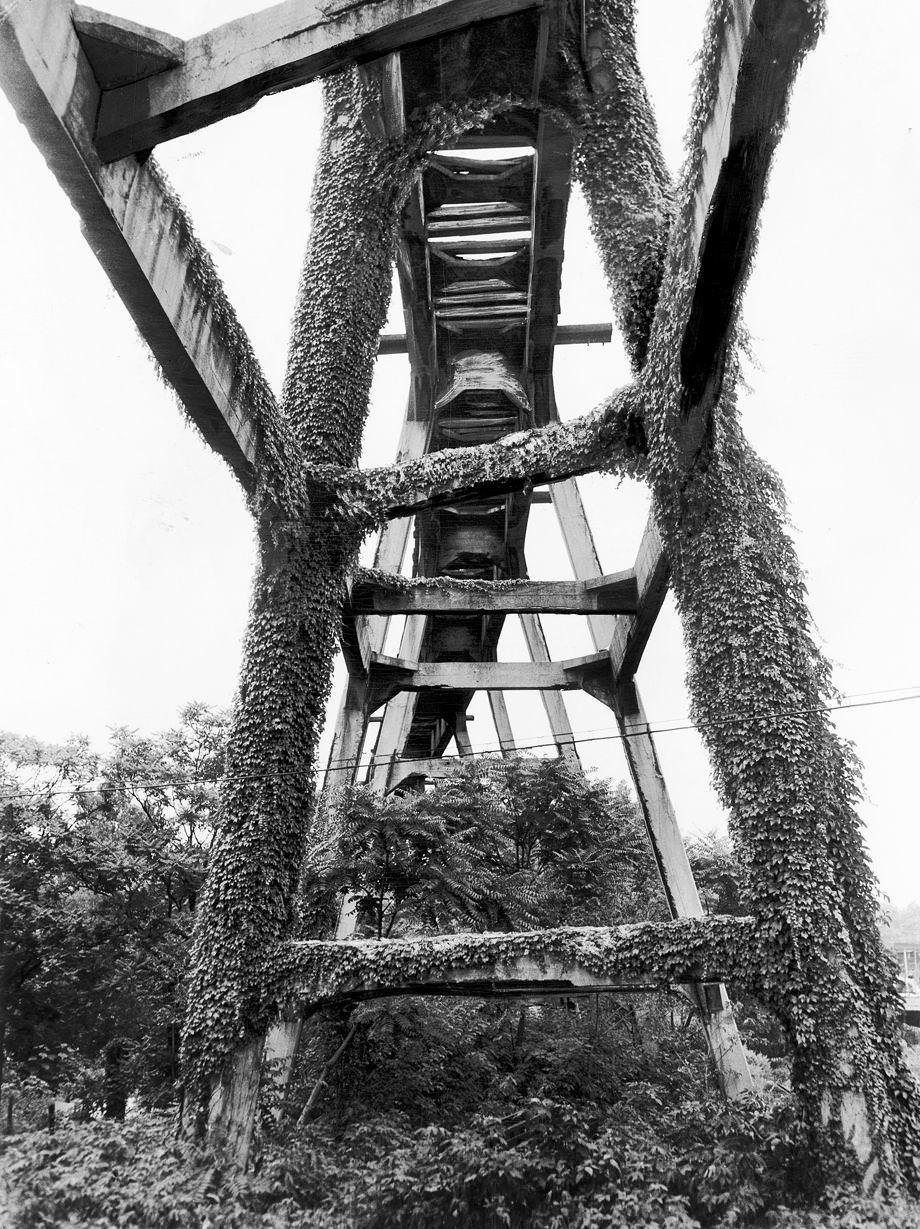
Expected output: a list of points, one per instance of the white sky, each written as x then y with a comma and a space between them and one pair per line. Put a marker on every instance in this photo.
127, 550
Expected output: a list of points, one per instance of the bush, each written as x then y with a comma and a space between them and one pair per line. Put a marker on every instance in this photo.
115, 1175
647, 1162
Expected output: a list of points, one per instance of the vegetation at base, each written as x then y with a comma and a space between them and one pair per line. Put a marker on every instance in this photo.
599, 1111
655, 1159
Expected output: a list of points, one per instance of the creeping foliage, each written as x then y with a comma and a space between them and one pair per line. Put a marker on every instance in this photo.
657, 1159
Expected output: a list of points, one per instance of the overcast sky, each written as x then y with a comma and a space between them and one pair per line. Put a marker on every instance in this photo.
127, 549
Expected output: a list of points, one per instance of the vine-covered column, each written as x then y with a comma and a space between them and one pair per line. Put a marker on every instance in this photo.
759, 688
759, 684
619, 166
305, 553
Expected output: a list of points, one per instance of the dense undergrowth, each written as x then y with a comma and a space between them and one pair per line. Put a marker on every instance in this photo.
412, 1112
658, 1157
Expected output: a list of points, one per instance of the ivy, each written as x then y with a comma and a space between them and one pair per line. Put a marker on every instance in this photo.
791, 785
306, 552
650, 953
608, 438
620, 167
434, 584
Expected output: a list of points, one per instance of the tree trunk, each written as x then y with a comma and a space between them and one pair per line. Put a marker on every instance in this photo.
114, 1085
4, 993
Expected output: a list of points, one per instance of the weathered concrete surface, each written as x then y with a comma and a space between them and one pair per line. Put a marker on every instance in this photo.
135, 227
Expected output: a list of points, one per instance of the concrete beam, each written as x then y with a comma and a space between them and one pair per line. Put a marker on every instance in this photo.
120, 51
616, 593
432, 769
630, 634
522, 965
138, 232
566, 335
761, 48
389, 675
228, 69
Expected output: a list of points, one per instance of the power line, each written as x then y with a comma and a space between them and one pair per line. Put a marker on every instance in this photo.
602, 734
610, 733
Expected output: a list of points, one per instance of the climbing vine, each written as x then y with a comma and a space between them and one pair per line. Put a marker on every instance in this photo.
307, 547
604, 439
408, 584
619, 165
789, 782
658, 954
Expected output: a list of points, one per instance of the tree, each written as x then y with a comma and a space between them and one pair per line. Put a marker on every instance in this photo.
497, 844
101, 861
507, 844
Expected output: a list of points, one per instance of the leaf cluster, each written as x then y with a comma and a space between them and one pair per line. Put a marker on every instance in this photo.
102, 857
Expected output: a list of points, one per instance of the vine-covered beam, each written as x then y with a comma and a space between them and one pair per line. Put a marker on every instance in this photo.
738, 122
608, 438
141, 236
620, 167
580, 960
386, 593
758, 683
228, 69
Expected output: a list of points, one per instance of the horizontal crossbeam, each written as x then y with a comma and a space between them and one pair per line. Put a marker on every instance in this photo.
572, 960
613, 594
566, 335
228, 69
432, 769
390, 675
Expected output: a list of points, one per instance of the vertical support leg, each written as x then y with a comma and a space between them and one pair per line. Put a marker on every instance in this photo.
399, 713
283, 1039
553, 703
348, 739
394, 728
281, 1043
657, 809
462, 736
679, 885
502, 722
234, 1102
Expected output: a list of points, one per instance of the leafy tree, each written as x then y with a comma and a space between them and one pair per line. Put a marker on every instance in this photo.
496, 845
590, 1112
101, 861
507, 844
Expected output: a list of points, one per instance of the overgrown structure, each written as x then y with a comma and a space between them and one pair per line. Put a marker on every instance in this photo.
478, 245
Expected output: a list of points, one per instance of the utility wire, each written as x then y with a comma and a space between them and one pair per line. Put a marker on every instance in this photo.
607, 733
603, 734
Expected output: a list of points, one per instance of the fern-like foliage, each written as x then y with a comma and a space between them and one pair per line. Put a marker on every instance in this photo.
508, 844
